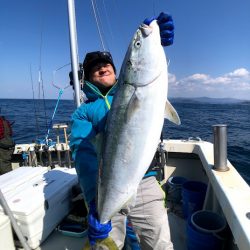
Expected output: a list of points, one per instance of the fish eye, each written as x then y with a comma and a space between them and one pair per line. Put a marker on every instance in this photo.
137, 44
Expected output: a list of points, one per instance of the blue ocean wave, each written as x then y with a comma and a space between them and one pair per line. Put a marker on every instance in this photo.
32, 119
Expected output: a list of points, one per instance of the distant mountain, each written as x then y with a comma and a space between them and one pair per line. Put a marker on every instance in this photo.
208, 100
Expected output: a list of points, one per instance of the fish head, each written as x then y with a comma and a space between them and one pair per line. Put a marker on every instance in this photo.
145, 58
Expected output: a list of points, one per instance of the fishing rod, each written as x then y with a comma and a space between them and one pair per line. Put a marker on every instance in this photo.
34, 103
40, 80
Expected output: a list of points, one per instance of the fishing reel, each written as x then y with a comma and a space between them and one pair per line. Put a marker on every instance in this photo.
159, 161
80, 76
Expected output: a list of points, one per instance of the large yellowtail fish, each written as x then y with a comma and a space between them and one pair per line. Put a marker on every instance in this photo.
135, 121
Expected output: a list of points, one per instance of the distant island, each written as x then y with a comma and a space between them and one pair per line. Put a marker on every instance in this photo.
208, 100
172, 99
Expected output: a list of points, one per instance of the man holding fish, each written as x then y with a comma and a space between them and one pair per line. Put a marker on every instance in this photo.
114, 145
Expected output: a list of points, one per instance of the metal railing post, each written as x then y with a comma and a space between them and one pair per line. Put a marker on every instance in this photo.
220, 147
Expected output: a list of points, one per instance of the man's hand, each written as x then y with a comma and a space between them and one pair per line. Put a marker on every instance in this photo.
96, 230
98, 233
166, 25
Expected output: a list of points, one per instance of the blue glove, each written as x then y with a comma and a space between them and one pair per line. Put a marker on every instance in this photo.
96, 230
166, 25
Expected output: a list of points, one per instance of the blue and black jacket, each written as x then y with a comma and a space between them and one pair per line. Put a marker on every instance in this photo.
88, 122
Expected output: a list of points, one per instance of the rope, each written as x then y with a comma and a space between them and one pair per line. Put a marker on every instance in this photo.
98, 25
54, 74
101, 26
46, 140
67, 64
52, 118
107, 19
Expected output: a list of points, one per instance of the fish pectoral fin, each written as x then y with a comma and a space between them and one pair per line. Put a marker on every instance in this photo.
133, 105
171, 114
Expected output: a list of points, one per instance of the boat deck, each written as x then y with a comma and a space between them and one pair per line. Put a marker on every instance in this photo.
58, 241
227, 194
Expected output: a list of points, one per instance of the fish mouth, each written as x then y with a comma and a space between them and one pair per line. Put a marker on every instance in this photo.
146, 30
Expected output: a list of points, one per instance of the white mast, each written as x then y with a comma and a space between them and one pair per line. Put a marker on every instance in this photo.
74, 50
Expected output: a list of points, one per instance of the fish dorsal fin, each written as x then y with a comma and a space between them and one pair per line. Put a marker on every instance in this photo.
171, 114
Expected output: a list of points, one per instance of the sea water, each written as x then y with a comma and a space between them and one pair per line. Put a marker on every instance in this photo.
32, 120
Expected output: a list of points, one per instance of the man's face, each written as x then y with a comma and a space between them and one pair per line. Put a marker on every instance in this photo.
102, 75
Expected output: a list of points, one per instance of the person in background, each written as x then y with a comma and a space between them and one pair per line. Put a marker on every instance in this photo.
148, 217
7, 145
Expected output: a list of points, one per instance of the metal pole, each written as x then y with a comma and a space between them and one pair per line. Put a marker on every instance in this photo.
74, 50
58, 147
40, 153
220, 147
67, 153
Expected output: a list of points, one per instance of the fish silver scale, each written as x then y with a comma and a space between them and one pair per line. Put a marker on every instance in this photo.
134, 122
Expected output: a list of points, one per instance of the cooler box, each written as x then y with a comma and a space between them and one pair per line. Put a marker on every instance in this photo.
43, 203
6, 237
12, 182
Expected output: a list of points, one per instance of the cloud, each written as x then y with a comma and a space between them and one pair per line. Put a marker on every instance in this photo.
239, 73
233, 84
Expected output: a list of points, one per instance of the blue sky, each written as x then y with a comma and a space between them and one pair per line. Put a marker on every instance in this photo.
210, 56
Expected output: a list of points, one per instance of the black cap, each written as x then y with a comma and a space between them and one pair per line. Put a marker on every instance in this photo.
92, 58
